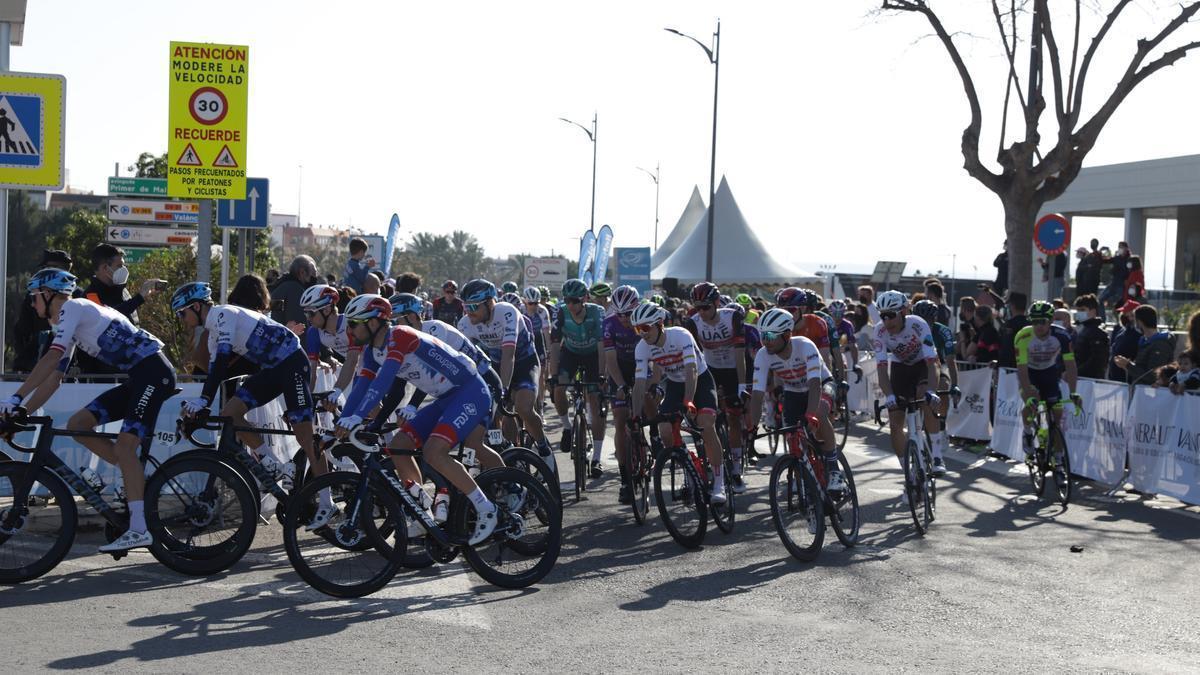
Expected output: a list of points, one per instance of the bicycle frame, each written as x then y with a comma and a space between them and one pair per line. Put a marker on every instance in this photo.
228, 445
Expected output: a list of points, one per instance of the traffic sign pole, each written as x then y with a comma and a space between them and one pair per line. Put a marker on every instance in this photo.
204, 242
5, 37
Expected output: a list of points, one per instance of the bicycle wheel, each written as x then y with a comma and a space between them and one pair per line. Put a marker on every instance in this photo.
326, 558
579, 453
773, 442
914, 481
37, 534
929, 484
1037, 469
843, 423
843, 508
796, 509
680, 501
522, 550
639, 481
1060, 465
201, 514
527, 461
725, 514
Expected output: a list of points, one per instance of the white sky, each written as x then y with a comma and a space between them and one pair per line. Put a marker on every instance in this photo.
838, 132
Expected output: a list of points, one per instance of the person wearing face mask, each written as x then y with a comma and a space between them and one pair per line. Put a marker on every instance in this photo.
1091, 342
110, 278
1124, 341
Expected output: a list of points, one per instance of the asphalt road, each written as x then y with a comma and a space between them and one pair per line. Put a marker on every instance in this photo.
993, 587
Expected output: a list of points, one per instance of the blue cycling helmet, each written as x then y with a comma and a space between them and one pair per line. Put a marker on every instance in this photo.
59, 281
477, 290
402, 303
189, 293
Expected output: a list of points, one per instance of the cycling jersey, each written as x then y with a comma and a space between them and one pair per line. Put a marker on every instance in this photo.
504, 328
678, 350
409, 356
581, 336
539, 319
814, 328
456, 341
721, 340
943, 341
339, 342
621, 339
909, 346
803, 364
101, 332
830, 324
1043, 353
233, 329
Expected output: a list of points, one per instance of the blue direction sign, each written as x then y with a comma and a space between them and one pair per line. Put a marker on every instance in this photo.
251, 212
1052, 234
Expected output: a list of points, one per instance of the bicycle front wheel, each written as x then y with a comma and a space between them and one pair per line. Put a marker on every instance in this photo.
579, 454
915, 477
724, 515
680, 499
331, 558
1060, 465
843, 513
527, 461
796, 509
639, 482
37, 532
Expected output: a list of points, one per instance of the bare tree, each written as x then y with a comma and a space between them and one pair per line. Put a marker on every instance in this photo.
1027, 176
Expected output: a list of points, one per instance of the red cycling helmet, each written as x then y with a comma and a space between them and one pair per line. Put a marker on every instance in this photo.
706, 292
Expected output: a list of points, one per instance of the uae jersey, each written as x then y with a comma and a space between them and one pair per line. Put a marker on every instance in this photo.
722, 340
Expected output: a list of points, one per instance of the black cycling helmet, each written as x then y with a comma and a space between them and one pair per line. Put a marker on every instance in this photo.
706, 292
926, 309
574, 288
509, 287
1041, 310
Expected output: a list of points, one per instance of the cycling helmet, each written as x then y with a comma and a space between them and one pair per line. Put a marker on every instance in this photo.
625, 299
724, 301
600, 290
478, 290
790, 297
450, 285
648, 313
512, 299
369, 306
891, 301
776, 321
809, 299
658, 300
532, 294
574, 288
1040, 310
509, 287
744, 300
545, 291
318, 297
403, 303
189, 293
926, 309
706, 292
59, 281
837, 309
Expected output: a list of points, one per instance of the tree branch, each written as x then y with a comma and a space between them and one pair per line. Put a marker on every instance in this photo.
1091, 52
1009, 52
1074, 58
1055, 69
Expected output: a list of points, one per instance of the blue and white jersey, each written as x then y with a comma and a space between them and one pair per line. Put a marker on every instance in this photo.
339, 342
538, 319
237, 330
103, 333
505, 327
409, 356
457, 341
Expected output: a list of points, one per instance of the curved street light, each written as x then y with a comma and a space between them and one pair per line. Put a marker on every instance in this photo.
591, 134
654, 177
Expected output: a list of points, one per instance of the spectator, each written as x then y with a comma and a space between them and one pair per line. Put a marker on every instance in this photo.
108, 288
1062, 319
1155, 348
1124, 340
937, 293
1135, 282
1187, 376
345, 295
32, 334
251, 292
272, 278
1091, 342
1017, 302
1001, 265
358, 266
330, 279
1057, 277
1194, 332
1164, 375
967, 332
1114, 292
408, 283
1087, 272
302, 273
373, 283
449, 307
986, 347
866, 296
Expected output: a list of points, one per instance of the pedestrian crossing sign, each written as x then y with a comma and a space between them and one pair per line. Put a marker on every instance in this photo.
32, 113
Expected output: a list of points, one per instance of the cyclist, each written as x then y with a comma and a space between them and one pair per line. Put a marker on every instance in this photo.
943, 344
539, 319
813, 327
844, 329
721, 336
620, 345
461, 405
808, 387
575, 339
504, 334
284, 371
327, 328
911, 368
448, 308
601, 293
690, 388
1043, 357
509, 287
747, 304
107, 335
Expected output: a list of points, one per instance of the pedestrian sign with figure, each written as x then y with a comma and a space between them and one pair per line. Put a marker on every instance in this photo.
206, 146
31, 130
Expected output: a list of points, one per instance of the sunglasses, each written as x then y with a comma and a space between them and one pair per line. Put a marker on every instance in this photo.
358, 322
771, 335
888, 315
624, 315
574, 301
472, 306
1040, 322
644, 328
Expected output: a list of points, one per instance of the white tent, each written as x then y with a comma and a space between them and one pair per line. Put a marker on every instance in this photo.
683, 227
738, 255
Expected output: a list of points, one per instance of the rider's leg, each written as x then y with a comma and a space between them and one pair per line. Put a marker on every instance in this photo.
707, 421
488, 458
621, 443
236, 409
598, 425
85, 420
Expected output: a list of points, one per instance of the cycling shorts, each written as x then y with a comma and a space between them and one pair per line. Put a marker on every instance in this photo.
570, 363
705, 398
908, 379
628, 370
452, 417
1048, 384
727, 386
289, 378
137, 401
526, 373
795, 403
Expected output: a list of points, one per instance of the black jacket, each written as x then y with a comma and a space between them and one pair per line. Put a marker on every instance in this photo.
288, 289
1008, 333
1087, 273
1153, 352
31, 337
1001, 265
1091, 349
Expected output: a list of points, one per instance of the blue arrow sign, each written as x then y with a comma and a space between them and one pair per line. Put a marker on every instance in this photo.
252, 212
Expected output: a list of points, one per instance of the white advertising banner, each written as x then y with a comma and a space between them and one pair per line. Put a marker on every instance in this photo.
1164, 444
1007, 426
1096, 436
970, 418
863, 394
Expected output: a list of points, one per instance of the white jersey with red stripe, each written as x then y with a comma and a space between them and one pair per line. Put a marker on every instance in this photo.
911, 345
678, 350
503, 328
802, 364
428, 363
722, 340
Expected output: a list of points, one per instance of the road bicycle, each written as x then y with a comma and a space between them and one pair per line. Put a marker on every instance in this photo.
683, 485
640, 457
581, 431
1049, 453
920, 485
199, 510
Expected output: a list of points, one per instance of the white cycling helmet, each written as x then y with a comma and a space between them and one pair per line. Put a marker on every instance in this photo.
776, 321
318, 297
532, 294
625, 299
891, 301
647, 313
368, 306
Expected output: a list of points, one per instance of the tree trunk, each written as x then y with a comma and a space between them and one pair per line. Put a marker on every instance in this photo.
1019, 218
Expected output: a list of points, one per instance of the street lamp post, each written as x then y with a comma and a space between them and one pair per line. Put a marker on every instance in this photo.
654, 177
591, 134
714, 57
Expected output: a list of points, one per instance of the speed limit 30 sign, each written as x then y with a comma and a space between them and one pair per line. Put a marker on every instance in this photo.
206, 149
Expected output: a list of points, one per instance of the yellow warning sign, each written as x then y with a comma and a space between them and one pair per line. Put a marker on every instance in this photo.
208, 98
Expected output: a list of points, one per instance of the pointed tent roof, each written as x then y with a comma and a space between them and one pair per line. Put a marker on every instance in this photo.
683, 227
739, 256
